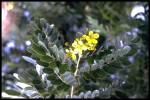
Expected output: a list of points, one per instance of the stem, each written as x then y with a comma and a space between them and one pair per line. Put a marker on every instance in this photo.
75, 73
59, 77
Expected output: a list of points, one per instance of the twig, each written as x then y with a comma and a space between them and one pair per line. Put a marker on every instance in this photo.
75, 73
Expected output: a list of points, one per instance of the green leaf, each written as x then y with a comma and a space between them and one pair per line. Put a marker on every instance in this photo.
90, 60
38, 85
109, 58
124, 60
126, 50
136, 39
61, 54
54, 79
102, 74
56, 70
12, 92
84, 69
62, 87
132, 51
103, 53
48, 70
54, 36
100, 63
43, 45
45, 64
127, 86
69, 78
121, 94
36, 81
33, 26
25, 77
52, 64
33, 73
28, 88
43, 22
45, 58
116, 65
109, 69
33, 52
63, 68
40, 88
45, 94
54, 49
38, 49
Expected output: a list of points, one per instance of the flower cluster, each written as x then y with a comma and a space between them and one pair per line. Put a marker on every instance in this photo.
86, 42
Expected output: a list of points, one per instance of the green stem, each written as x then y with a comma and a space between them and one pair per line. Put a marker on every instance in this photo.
75, 73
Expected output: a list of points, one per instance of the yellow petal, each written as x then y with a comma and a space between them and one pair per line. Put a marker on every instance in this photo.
92, 48
74, 44
67, 50
84, 37
96, 35
87, 38
67, 44
73, 56
94, 41
80, 42
90, 33
76, 40
84, 47
68, 54
71, 49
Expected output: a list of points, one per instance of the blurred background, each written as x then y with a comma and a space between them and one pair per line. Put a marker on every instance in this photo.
72, 17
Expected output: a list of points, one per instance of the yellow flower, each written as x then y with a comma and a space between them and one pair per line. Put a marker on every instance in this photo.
92, 38
84, 47
78, 51
69, 53
66, 44
86, 42
92, 35
96, 35
74, 44
73, 56
83, 37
